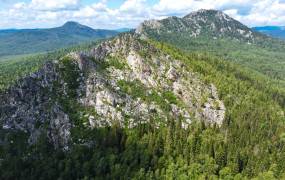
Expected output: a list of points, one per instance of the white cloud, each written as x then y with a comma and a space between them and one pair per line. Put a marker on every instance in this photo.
167, 6
129, 14
19, 5
133, 5
264, 12
91, 11
54, 4
48, 13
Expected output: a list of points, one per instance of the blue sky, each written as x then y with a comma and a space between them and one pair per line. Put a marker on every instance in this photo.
112, 14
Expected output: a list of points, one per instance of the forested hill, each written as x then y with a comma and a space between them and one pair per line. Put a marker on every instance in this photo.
216, 33
27, 41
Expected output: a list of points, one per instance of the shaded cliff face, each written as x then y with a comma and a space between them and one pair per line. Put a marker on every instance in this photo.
124, 81
29, 107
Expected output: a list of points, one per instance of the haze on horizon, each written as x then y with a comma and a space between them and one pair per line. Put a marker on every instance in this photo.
113, 14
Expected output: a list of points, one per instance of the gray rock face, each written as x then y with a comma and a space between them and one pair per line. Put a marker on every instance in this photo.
157, 72
123, 81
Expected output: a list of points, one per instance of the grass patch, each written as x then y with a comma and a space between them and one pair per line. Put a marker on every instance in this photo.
116, 62
137, 90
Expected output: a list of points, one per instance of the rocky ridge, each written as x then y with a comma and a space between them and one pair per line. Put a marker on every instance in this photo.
124, 81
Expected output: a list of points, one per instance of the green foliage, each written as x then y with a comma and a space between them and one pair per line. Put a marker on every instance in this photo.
170, 97
16, 67
137, 90
71, 75
125, 153
251, 104
110, 61
116, 62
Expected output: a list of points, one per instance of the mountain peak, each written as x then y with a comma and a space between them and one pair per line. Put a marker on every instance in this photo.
75, 27
205, 23
209, 14
71, 24
204, 12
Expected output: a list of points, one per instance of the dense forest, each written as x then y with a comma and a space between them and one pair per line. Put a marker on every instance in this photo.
249, 144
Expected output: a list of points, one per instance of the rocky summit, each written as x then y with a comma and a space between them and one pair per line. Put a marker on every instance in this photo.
203, 23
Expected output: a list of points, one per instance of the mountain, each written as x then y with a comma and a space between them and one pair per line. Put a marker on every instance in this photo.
274, 31
132, 107
218, 34
203, 23
88, 77
7, 32
27, 41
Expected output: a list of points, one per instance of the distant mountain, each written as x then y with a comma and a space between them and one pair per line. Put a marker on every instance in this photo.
212, 24
25, 41
8, 32
218, 34
274, 31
